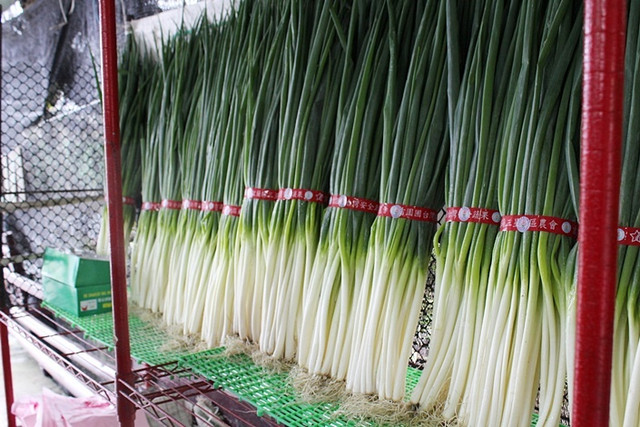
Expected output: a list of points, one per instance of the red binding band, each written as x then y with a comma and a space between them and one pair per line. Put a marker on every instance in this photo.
231, 210
129, 201
254, 193
414, 213
195, 205
150, 206
354, 203
549, 224
173, 205
478, 215
302, 194
209, 206
629, 236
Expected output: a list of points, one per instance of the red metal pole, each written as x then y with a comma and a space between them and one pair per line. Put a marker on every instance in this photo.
6, 372
602, 106
126, 410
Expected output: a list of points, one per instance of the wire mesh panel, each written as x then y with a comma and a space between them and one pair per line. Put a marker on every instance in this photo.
51, 146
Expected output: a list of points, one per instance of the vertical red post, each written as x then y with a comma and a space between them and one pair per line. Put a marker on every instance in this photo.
602, 112
126, 410
6, 372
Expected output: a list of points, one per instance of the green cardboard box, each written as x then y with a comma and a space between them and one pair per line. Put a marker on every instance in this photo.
79, 283
83, 301
75, 268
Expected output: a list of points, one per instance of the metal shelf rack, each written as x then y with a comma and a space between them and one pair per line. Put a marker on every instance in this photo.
151, 388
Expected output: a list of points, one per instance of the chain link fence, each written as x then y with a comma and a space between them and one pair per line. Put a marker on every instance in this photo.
51, 146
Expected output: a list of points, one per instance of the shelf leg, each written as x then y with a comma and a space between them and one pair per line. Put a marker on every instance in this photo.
602, 113
6, 372
113, 178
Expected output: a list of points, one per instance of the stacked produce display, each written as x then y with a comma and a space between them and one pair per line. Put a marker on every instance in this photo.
293, 160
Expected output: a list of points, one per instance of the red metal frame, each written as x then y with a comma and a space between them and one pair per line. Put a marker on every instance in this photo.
6, 372
126, 410
604, 31
602, 111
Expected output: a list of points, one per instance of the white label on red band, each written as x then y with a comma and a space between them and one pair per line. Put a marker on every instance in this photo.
195, 205
477, 215
231, 210
414, 213
150, 206
208, 206
629, 236
549, 224
260, 194
353, 203
171, 204
302, 194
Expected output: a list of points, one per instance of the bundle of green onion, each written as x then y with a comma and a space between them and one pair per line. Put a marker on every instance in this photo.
260, 174
134, 91
520, 340
327, 316
414, 153
244, 29
480, 103
312, 66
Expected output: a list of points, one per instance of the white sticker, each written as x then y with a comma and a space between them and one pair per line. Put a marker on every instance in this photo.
249, 193
523, 223
308, 195
89, 305
342, 201
226, 210
288, 193
396, 211
496, 217
566, 227
464, 214
621, 234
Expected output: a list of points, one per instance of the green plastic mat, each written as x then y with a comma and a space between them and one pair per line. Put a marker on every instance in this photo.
148, 342
270, 393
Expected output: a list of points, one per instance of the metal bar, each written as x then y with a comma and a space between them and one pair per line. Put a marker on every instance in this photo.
602, 112
10, 207
126, 410
52, 354
77, 190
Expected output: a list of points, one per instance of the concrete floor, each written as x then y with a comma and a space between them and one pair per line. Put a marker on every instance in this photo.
28, 379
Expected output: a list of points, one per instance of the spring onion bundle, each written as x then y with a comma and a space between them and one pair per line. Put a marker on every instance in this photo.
213, 118
521, 330
312, 65
244, 33
192, 169
134, 84
325, 337
480, 102
260, 178
414, 153
141, 262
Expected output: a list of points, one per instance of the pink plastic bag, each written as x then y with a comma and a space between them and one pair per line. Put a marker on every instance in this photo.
54, 410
